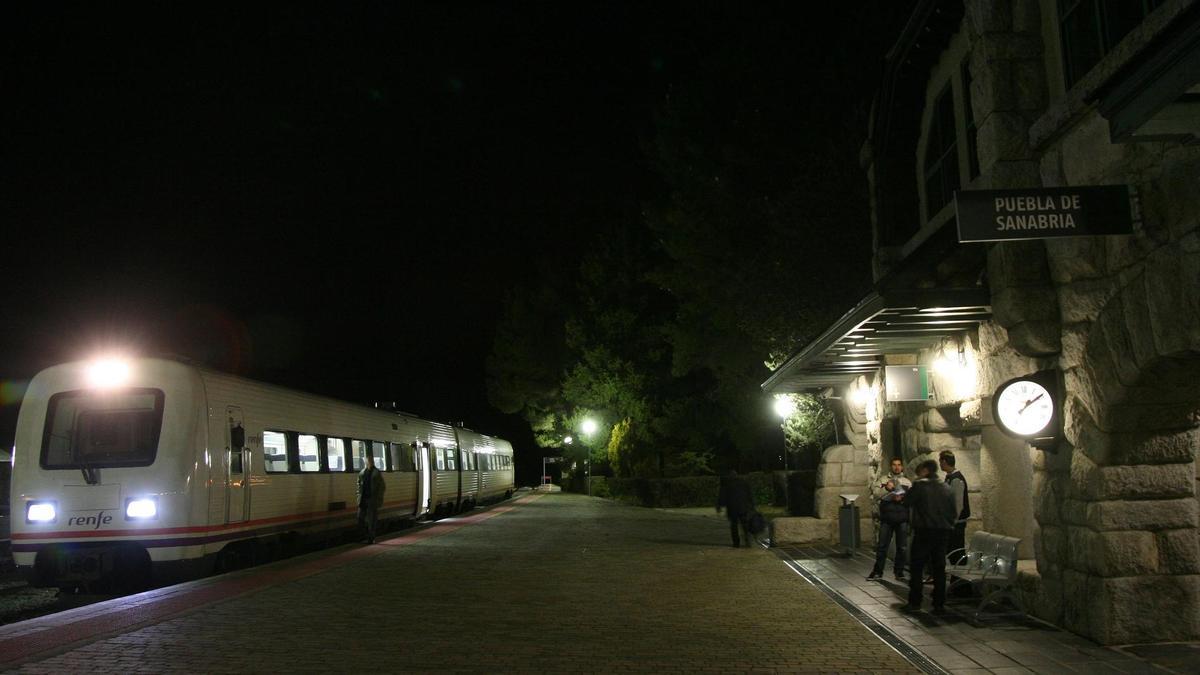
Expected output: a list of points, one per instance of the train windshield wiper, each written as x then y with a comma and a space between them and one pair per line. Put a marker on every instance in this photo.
89, 472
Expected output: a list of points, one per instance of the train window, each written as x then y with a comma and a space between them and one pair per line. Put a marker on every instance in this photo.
117, 428
441, 459
275, 459
358, 454
310, 453
335, 454
450, 459
466, 459
379, 452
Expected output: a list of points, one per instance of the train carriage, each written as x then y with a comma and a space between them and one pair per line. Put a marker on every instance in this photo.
120, 466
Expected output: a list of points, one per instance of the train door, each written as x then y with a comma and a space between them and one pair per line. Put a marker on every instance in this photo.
237, 464
424, 480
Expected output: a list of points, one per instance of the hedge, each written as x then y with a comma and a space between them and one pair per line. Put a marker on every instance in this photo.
768, 488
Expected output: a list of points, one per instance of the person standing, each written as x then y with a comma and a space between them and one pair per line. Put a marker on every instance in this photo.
962, 505
738, 501
932, 515
893, 520
370, 497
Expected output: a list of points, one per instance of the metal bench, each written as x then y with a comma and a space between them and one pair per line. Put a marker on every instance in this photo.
990, 562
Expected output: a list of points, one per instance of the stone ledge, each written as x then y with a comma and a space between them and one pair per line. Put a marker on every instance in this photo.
803, 530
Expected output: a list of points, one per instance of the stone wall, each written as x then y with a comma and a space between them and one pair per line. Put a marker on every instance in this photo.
1114, 511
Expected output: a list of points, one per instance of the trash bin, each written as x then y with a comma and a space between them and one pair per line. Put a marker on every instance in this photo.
848, 524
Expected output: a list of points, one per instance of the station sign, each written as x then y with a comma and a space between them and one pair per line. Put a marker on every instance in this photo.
1042, 213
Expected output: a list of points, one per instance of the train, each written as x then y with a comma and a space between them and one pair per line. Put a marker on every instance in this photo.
129, 469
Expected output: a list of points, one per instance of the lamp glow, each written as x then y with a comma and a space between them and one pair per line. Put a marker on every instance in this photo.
860, 395
40, 512
568, 440
785, 406
108, 373
138, 509
588, 427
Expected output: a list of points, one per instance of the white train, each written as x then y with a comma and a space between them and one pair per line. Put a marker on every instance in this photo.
122, 468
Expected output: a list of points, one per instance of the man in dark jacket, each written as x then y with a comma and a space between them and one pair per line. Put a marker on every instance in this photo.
962, 505
370, 497
931, 514
738, 501
893, 519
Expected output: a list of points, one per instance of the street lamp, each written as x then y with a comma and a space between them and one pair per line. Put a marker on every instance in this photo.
785, 406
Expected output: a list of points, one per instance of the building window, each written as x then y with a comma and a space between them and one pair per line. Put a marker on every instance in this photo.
1089, 29
310, 453
941, 155
972, 130
275, 458
335, 454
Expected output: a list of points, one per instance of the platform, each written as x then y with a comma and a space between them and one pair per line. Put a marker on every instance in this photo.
544, 583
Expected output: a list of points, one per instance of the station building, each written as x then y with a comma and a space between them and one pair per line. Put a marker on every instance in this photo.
1048, 100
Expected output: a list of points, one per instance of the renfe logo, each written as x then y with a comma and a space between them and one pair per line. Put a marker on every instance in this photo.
95, 521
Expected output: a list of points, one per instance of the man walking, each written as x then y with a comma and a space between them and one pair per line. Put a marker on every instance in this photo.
738, 501
962, 505
931, 513
370, 497
893, 519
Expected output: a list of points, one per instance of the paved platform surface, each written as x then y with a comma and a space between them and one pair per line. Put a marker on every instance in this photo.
546, 584
999, 640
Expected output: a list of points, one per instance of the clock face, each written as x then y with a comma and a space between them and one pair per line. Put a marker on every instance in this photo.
1025, 407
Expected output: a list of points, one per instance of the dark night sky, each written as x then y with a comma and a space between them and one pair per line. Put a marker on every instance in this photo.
335, 201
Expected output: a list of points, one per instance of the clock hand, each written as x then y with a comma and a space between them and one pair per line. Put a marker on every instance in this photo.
1030, 402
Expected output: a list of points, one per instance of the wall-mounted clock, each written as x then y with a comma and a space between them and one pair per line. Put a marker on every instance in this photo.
1030, 408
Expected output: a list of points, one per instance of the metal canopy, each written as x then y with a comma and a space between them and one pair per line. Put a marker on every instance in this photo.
891, 322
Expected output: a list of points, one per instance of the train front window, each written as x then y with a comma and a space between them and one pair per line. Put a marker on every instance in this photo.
97, 429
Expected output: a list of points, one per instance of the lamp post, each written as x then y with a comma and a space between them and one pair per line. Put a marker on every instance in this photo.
785, 407
588, 428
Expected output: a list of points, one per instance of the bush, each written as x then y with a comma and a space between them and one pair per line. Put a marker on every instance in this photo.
768, 488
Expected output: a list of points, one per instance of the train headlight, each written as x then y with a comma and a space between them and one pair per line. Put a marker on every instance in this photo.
106, 373
41, 512
141, 509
